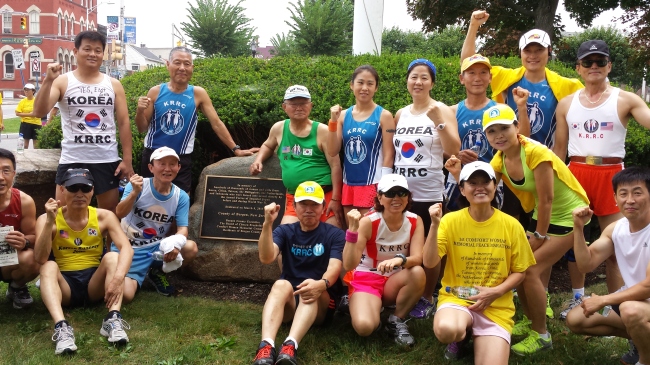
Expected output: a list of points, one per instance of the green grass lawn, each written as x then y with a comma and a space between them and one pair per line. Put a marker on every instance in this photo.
12, 125
193, 330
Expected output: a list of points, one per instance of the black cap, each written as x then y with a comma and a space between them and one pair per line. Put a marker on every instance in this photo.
593, 47
78, 176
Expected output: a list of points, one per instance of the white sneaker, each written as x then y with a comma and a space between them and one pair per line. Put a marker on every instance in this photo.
113, 329
64, 339
572, 304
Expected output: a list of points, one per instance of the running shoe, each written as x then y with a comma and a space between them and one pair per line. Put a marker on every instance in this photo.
159, 280
423, 309
575, 301
63, 337
532, 344
400, 331
288, 353
549, 310
114, 329
455, 350
521, 327
19, 296
265, 354
632, 356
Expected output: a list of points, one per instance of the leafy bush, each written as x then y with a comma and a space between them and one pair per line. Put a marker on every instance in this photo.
248, 92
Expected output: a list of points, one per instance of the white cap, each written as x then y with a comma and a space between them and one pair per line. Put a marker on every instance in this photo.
29, 86
472, 167
390, 181
296, 91
535, 36
163, 152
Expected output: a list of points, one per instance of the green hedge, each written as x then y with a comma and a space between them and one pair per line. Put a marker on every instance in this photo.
248, 92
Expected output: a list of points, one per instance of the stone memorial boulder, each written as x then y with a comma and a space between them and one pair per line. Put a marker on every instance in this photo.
224, 259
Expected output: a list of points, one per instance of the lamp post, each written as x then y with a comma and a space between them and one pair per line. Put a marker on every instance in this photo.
89, 10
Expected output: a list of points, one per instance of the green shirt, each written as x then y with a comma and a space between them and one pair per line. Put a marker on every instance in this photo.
301, 160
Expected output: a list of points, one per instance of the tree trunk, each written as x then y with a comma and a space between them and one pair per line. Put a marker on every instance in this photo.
545, 15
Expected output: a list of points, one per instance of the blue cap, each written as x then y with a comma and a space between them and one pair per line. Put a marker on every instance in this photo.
425, 62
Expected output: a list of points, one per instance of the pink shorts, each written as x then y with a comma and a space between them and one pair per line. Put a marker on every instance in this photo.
367, 282
359, 196
481, 325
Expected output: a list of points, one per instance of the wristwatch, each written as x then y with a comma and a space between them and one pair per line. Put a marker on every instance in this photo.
237, 147
401, 256
26, 247
327, 283
539, 236
440, 126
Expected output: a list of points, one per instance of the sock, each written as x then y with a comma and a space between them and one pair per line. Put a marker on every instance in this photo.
14, 285
270, 341
110, 315
289, 338
60, 323
393, 318
546, 290
545, 336
580, 291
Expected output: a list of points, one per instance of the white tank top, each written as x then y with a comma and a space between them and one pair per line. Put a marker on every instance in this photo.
632, 252
88, 122
418, 155
596, 131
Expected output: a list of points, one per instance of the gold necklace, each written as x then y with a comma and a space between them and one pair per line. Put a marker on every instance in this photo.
601, 96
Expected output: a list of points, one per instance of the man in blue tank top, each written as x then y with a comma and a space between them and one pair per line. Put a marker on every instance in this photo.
169, 115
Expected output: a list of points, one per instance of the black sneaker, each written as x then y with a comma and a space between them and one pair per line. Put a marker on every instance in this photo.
288, 353
344, 305
632, 356
400, 331
19, 296
265, 354
159, 280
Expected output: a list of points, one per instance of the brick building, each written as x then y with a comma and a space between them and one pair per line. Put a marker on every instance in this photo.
50, 31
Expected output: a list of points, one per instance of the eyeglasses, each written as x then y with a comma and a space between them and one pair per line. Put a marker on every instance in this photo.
298, 105
600, 62
392, 193
7, 172
76, 187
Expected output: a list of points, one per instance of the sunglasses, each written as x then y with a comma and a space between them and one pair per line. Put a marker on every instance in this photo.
600, 63
392, 193
76, 187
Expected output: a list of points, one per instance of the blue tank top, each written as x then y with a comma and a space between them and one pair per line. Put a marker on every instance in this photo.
362, 142
470, 129
541, 109
174, 121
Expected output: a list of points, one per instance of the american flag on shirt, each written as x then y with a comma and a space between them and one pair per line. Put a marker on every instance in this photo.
63, 234
606, 126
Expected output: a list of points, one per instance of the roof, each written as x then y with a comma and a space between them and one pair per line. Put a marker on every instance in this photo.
146, 54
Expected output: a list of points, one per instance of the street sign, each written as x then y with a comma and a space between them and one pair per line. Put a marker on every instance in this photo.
35, 61
19, 63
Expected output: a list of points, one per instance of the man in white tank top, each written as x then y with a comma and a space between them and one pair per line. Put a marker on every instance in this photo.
93, 108
628, 240
591, 125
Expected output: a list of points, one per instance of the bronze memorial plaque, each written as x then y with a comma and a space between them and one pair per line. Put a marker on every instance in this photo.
233, 207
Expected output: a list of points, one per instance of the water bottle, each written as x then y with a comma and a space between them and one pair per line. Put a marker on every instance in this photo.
462, 292
604, 311
20, 147
157, 255
122, 185
476, 148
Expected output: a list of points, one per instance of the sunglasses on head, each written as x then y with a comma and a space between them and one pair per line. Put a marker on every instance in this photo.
600, 63
76, 187
400, 193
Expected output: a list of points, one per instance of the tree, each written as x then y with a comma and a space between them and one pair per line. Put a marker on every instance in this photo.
283, 45
322, 27
508, 18
638, 17
217, 28
446, 43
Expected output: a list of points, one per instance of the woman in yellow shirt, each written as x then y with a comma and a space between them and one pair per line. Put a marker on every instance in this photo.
29, 124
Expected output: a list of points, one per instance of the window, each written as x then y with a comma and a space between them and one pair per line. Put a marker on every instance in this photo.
8, 65
135, 67
72, 26
66, 25
59, 24
34, 23
6, 23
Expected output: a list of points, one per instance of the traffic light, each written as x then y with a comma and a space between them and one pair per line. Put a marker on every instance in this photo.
23, 22
117, 50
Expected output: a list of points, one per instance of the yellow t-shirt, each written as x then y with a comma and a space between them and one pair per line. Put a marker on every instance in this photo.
77, 250
483, 254
27, 106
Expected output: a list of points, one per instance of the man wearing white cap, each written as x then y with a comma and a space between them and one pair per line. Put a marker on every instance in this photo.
546, 87
169, 116
301, 145
303, 295
29, 122
149, 209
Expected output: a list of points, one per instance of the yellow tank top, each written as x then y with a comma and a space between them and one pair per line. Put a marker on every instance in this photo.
77, 250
